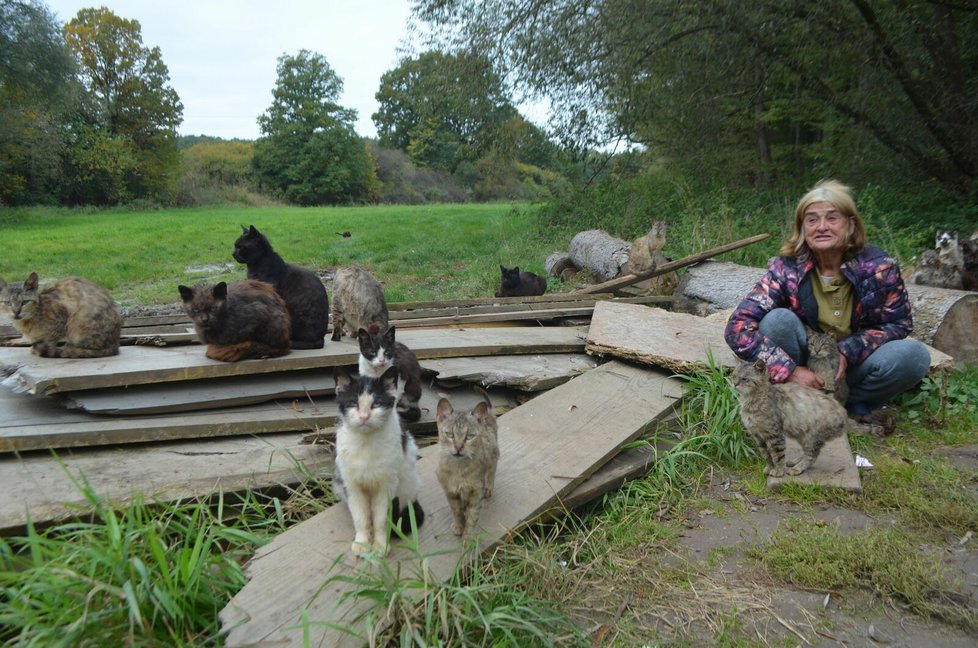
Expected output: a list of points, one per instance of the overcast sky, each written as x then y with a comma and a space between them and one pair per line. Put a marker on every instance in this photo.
221, 54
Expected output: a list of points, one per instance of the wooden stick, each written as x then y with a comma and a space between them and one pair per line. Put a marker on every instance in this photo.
629, 279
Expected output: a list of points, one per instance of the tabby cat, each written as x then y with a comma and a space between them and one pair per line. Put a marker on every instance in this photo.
823, 359
303, 292
469, 452
73, 318
245, 319
375, 469
645, 255
519, 283
358, 303
377, 353
770, 412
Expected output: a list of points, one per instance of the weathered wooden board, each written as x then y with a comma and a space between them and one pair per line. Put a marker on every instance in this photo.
649, 335
526, 373
548, 447
137, 365
214, 393
834, 466
40, 485
32, 423
675, 341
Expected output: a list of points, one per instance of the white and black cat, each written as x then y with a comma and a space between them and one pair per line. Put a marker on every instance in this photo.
380, 352
376, 461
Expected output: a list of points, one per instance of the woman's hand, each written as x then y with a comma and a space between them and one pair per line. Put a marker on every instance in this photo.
807, 377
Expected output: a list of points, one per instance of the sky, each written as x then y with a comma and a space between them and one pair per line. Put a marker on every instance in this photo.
221, 54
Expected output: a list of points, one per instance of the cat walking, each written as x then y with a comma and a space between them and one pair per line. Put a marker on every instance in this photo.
468, 455
303, 292
375, 471
358, 303
73, 318
771, 412
378, 353
244, 319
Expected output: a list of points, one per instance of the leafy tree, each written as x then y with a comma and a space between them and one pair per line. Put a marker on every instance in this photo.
441, 109
766, 88
128, 99
309, 152
36, 90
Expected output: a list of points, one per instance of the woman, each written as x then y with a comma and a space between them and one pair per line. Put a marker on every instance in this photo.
828, 278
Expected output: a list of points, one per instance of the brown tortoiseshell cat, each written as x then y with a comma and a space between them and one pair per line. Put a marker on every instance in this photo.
73, 318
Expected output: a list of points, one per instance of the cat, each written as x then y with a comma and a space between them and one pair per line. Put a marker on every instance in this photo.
823, 359
73, 318
645, 255
377, 353
303, 292
949, 248
244, 319
517, 283
468, 454
375, 470
358, 303
931, 272
770, 412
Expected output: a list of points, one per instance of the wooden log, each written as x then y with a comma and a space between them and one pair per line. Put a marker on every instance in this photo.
629, 279
600, 252
943, 318
557, 262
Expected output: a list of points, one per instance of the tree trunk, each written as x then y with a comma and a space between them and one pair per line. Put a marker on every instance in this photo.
943, 318
599, 252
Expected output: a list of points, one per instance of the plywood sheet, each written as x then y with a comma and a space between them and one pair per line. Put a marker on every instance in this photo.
527, 373
548, 447
674, 341
137, 365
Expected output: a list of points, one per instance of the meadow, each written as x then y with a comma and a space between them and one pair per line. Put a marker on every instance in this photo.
157, 575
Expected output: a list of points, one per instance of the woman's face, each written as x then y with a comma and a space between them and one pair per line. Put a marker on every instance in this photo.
826, 228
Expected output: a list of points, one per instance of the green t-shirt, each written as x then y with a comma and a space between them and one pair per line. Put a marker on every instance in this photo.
834, 297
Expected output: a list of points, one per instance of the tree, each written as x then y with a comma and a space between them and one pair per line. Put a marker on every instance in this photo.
128, 99
441, 109
36, 91
782, 86
309, 152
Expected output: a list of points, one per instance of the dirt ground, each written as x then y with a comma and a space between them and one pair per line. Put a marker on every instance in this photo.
750, 606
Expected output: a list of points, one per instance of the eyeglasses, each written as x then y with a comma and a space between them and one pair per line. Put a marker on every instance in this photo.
831, 219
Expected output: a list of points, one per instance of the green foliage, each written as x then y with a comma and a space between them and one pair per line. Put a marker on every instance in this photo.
943, 397
129, 110
309, 153
137, 575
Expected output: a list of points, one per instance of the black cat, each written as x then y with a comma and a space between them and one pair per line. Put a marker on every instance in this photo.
303, 292
516, 283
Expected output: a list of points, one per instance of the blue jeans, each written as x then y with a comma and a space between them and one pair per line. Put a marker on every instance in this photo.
895, 367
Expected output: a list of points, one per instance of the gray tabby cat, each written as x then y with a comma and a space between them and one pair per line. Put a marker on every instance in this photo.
358, 303
469, 452
823, 359
771, 412
73, 318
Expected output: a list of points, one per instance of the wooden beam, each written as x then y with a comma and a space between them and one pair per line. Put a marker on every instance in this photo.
548, 447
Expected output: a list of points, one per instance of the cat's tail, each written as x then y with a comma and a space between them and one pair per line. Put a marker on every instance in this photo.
243, 350
401, 516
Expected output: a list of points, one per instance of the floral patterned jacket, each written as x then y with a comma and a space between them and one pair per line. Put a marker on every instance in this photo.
881, 308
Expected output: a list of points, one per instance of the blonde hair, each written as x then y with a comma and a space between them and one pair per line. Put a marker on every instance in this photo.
840, 197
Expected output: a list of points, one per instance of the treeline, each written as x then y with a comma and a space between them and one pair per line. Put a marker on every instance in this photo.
89, 117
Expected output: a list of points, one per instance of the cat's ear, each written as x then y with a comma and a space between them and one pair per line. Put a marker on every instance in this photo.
502, 269
516, 270
389, 379
389, 333
363, 337
244, 230
220, 290
759, 366
186, 294
31, 283
444, 409
252, 230
343, 379
481, 412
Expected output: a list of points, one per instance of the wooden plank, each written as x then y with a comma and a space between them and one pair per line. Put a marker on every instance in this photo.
215, 393
548, 447
674, 341
40, 484
834, 466
30, 423
136, 365
526, 373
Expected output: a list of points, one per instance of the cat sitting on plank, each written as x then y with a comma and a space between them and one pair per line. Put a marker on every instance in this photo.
378, 353
358, 303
